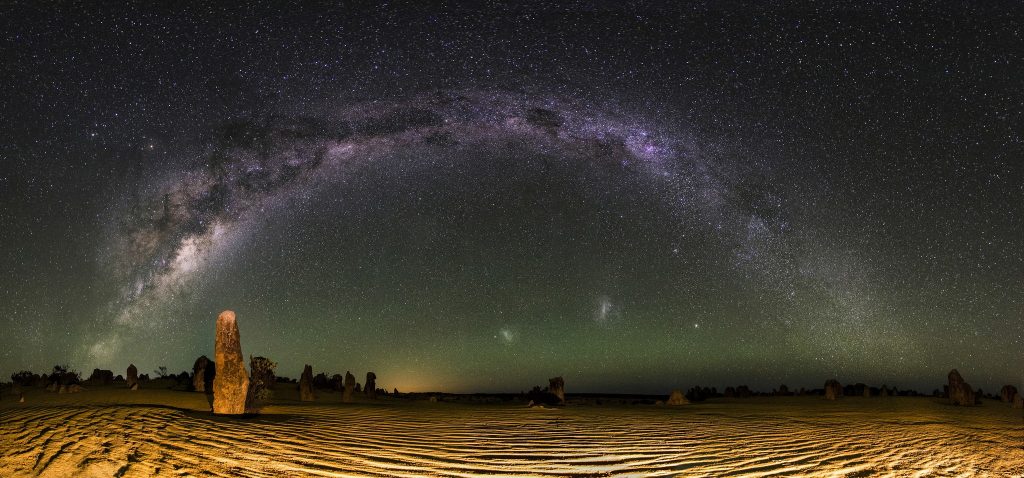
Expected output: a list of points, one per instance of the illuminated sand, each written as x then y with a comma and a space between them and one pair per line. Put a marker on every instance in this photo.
166, 433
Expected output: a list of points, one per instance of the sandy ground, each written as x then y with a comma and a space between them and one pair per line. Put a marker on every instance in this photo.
115, 432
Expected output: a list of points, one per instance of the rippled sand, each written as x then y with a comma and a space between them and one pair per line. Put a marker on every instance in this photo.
166, 433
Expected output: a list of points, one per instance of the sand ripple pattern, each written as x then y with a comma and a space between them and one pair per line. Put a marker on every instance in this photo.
755, 438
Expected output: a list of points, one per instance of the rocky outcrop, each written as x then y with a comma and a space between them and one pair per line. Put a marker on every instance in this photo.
350, 387
306, 385
833, 389
203, 373
370, 390
336, 382
556, 387
1008, 393
677, 398
1018, 401
101, 377
231, 385
960, 392
132, 377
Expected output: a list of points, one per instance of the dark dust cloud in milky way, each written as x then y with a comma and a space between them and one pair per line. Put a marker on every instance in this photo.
631, 195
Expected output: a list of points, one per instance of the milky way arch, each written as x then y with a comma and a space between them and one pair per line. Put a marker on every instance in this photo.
168, 237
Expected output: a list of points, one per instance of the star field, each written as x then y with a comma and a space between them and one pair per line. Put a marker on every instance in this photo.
636, 197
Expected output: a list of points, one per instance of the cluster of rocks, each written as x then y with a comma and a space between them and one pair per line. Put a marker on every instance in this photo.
57, 387
339, 383
741, 391
960, 392
100, 377
553, 394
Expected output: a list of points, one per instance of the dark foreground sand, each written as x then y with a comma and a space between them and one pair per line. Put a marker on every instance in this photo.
114, 432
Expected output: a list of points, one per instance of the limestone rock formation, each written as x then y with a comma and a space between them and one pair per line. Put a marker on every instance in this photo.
101, 377
132, 377
306, 385
1007, 393
556, 386
884, 392
960, 392
677, 398
371, 385
867, 391
833, 390
203, 373
1018, 401
350, 386
231, 385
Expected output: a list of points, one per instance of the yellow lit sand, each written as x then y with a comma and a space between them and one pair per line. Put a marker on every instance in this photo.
114, 432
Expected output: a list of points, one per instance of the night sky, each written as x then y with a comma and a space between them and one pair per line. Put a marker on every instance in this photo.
637, 197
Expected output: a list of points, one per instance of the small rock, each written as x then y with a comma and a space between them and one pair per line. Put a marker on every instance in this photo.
306, 385
556, 386
677, 398
370, 390
350, 386
1008, 393
833, 390
132, 377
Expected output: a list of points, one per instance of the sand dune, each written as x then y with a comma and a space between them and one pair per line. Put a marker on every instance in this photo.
165, 433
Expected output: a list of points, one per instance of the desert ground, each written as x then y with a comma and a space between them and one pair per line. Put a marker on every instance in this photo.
108, 431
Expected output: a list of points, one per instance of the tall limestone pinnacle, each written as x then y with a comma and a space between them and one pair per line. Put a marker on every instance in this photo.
231, 384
